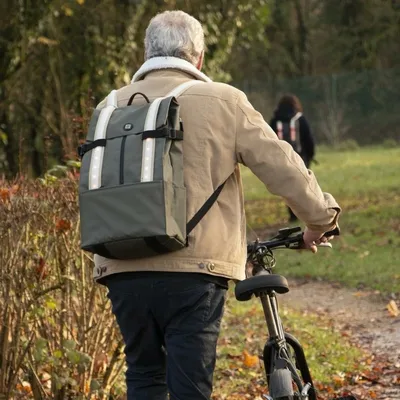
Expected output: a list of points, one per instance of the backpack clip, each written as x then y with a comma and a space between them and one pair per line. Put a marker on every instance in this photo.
85, 147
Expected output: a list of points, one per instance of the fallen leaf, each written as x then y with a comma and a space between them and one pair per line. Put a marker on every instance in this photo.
373, 394
393, 309
360, 294
249, 360
4, 194
364, 254
338, 379
63, 225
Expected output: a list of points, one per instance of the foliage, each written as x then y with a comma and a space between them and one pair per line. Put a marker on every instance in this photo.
390, 143
347, 145
60, 57
313, 37
57, 337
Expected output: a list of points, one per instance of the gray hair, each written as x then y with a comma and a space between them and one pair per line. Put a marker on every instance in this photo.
174, 34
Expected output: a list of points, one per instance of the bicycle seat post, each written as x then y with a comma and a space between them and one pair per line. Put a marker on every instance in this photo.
273, 329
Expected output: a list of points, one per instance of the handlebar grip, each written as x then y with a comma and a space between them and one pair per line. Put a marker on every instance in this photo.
333, 232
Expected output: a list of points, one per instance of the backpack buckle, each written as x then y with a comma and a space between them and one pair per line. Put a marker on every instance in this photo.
172, 134
81, 150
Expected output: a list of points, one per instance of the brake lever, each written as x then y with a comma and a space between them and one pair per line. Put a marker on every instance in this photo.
327, 244
300, 246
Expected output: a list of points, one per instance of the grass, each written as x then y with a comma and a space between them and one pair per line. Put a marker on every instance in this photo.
348, 174
366, 184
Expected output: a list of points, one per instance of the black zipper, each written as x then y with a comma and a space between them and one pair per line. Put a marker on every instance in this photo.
121, 164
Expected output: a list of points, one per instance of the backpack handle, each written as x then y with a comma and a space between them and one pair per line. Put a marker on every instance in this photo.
133, 96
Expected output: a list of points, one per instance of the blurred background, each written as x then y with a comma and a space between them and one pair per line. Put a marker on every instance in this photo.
60, 57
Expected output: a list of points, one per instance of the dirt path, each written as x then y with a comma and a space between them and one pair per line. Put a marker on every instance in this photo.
363, 317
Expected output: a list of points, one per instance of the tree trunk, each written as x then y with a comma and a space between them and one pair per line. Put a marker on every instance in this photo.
303, 39
10, 147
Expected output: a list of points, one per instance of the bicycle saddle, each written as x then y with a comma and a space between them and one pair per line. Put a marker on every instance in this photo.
259, 284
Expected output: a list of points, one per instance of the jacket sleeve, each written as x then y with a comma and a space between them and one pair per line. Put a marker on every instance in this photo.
281, 169
306, 139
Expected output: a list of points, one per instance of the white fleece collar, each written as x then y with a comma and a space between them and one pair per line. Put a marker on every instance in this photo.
158, 63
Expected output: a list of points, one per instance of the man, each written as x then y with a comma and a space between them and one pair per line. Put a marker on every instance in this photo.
169, 307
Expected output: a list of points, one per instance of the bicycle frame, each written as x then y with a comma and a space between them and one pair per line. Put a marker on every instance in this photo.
276, 348
282, 375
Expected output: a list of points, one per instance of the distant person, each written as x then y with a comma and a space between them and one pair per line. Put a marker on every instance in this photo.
291, 126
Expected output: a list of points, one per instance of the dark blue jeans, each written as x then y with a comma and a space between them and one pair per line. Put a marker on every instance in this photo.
170, 324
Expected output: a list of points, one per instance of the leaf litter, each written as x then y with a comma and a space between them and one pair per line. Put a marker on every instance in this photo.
363, 319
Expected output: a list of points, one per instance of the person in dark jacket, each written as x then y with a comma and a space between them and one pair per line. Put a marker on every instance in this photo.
290, 125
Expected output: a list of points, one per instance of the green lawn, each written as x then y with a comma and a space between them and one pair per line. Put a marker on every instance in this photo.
366, 184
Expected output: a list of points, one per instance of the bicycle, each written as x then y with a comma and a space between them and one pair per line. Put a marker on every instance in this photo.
286, 368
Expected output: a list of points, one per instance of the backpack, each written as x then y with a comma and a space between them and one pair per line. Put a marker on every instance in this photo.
289, 132
132, 195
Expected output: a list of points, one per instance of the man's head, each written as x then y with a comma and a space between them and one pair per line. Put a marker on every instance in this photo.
175, 34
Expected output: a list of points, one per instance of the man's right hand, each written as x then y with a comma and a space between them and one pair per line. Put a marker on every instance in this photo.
312, 239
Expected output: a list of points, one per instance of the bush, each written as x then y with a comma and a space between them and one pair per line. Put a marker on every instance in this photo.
58, 338
389, 143
347, 145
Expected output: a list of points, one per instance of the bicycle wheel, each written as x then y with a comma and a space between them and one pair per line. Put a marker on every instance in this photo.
299, 367
285, 377
280, 385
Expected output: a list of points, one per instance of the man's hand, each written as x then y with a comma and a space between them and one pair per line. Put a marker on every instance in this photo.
312, 239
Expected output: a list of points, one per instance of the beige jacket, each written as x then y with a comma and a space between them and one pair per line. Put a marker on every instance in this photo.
221, 131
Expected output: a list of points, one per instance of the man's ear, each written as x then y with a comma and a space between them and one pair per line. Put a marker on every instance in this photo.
200, 62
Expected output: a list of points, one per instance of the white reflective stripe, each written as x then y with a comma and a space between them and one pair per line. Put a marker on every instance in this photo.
112, 99
295, 118
149, 145
293, 136
96, 160
279, 129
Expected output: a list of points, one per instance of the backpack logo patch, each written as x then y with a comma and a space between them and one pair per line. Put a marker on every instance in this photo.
128, 127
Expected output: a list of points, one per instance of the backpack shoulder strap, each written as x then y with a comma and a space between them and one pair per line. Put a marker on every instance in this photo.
112, 99
295, 118
147, 152
204, 209
293, 134
214, 196
182, 88
150, 125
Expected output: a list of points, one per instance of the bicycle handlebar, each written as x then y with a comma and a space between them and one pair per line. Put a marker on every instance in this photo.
286, 238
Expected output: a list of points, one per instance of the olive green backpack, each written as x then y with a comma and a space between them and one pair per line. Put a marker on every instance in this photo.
132, 194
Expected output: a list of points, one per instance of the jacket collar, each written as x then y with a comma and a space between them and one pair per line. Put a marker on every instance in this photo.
160, 63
